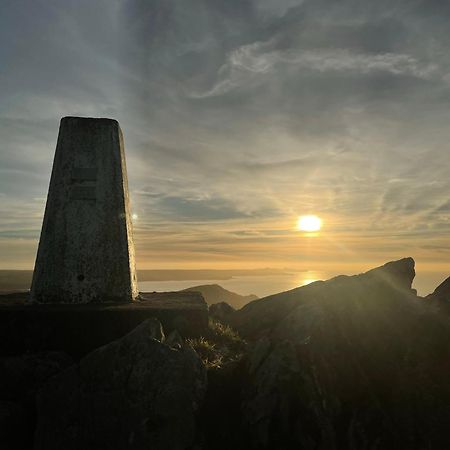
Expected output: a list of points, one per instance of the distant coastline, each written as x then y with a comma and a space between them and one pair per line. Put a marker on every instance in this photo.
261, 282
207, 274
13, 280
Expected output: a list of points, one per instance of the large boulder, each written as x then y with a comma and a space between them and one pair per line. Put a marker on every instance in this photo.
441, 296
214, 293
16, 426
221, 311
267, 401
134, 393
354, 362
22, 376
20, 379
262, 317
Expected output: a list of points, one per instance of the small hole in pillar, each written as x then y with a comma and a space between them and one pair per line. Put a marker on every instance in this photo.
80, 277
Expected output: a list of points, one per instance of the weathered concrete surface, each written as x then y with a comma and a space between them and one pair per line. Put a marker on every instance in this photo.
78, 329
86, 251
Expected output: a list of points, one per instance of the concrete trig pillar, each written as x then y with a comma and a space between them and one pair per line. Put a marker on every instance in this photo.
86, 250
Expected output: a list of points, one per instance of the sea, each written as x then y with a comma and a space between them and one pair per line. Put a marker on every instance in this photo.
264, 285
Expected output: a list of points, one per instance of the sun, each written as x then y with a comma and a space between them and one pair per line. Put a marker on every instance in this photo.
309, 223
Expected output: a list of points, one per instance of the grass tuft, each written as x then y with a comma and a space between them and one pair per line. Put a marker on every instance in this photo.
220, 345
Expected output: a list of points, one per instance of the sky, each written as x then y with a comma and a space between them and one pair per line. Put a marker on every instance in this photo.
239, 116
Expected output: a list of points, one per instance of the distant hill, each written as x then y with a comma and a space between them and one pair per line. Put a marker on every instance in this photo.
213, 293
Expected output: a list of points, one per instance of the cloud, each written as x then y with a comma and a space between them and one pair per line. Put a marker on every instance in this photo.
204, 208
250, 63
197, 209
275, 8
237, 117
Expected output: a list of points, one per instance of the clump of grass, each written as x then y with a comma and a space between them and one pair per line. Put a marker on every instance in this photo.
207, 351
224, 335
220, 345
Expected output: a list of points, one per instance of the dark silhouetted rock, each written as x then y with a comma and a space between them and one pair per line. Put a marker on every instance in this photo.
221, 311
261, 317
134, 393
20, 379
22, 376
441, 295
213, 293
355, 362
174, 340
16, 426
272, 368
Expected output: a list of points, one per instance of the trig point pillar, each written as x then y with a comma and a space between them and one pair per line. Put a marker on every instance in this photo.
86, 251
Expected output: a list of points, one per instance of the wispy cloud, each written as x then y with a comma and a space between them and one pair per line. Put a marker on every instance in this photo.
238, 116
250, 63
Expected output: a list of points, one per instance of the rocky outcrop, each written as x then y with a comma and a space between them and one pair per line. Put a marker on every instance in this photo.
441, 295
134, 393
16, 426
355, 363
20, 379
351, 363
268, 404
213, 293
221, 311
275, 314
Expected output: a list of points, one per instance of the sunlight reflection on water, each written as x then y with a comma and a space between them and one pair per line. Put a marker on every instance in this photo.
262, 286
244, 285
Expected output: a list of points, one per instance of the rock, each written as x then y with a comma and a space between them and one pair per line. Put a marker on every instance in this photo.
134, 393
261, 317
267, 405
221, 426
15, 426
20, 378
174, 340
354, 362
400, 273
441, 294
214, 293
221, 311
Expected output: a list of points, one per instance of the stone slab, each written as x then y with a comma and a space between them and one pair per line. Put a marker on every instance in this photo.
78, 329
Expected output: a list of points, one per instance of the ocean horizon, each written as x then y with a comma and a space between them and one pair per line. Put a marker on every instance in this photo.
264, 285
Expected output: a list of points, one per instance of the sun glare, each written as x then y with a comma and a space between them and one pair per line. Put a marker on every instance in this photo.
309, 223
